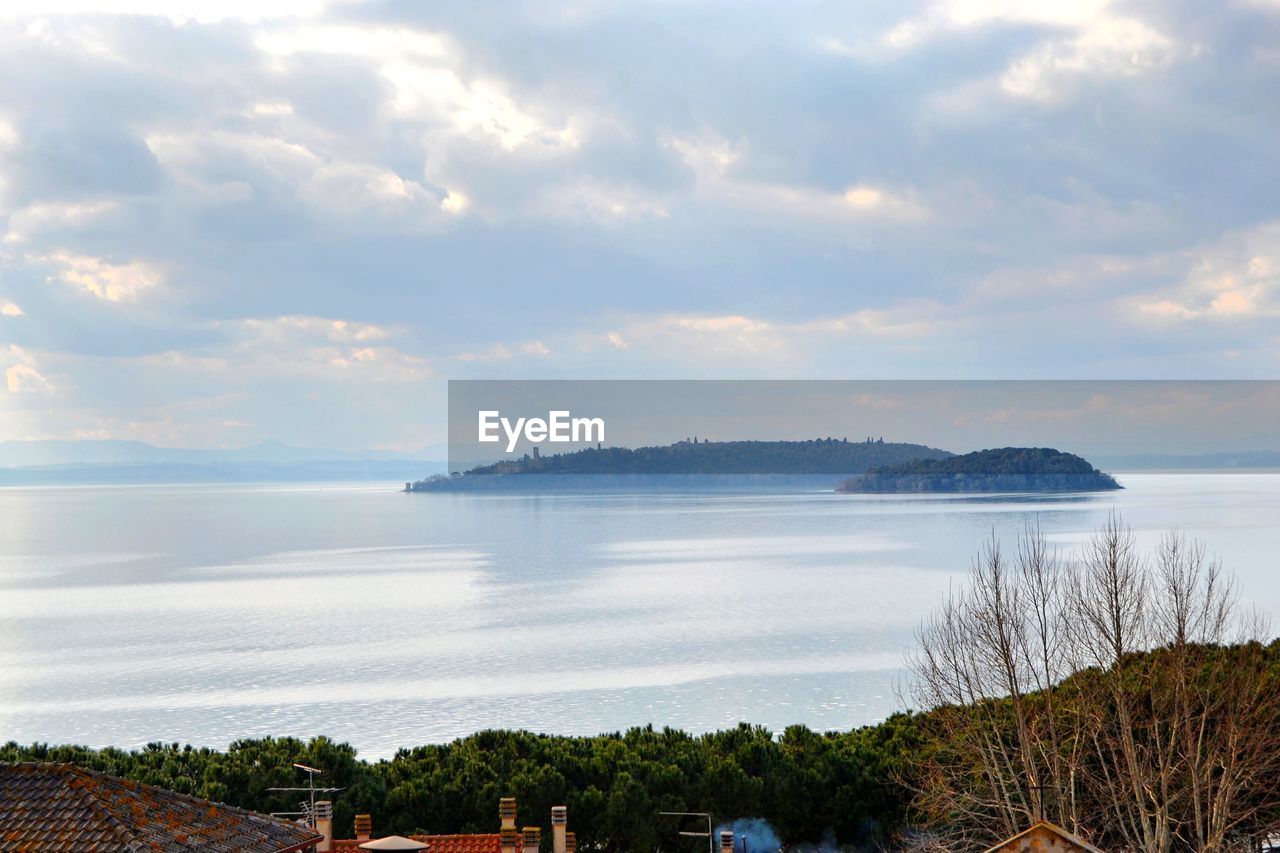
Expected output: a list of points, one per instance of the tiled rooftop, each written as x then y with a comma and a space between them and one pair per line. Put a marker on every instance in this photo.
444, 843
54, 808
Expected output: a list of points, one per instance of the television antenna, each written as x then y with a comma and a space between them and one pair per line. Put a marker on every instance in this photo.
309, 805
711, 845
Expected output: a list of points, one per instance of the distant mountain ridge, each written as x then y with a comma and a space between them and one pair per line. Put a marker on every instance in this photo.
118, 462
124, 452
1240, 459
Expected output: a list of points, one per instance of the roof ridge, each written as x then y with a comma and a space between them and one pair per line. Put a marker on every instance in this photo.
90, 787
1041, 823
191, 799
119, 830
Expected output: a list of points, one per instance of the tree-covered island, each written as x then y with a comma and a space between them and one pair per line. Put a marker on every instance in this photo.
694, 460
871, 466
1007, 469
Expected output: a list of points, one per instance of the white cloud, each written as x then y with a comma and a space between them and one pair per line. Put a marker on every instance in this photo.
496, 352
602, 202
885, 203
22, 375
318, 347
709, 156
350, 190
10, 309
79, 37
952, 15
8, 139
503, 352
352, 193
291, 328
721, 339
1088, 38
1236, 280
1112, 47
270, 109
424, 70
328, 355
191, 151
713, 160
455, 202
38, 218
106, 280
178, 11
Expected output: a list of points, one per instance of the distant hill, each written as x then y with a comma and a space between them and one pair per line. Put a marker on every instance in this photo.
1241, 459
1007, 469
118, 452
104, 462
828, 457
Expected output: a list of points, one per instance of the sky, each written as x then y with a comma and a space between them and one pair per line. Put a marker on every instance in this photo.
222, 223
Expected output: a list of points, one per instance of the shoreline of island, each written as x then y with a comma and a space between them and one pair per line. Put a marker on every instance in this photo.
873, 466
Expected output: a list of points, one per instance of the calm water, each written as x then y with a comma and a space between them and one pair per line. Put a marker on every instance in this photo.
203, 614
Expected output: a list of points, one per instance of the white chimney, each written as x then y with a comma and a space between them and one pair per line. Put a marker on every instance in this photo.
323, 817
559, 826
726, 841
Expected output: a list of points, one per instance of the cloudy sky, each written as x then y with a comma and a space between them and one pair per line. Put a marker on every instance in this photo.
228, 222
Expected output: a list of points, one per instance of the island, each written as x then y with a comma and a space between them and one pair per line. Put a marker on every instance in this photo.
1006, 469
816, 463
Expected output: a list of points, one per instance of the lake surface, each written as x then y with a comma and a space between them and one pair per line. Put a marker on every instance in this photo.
203, 614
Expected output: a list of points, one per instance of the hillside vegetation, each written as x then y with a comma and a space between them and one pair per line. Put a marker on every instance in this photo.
823, 456
1007, 469
859, 789
808, 785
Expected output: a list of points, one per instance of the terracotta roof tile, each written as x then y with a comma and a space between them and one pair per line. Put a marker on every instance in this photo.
485, 843
61, 807
462, 843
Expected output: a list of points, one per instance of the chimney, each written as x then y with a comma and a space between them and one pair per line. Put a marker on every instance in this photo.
726, 841
364, 827
507, 817
323, 817
559, 826
570, 843
507, 812
532, 839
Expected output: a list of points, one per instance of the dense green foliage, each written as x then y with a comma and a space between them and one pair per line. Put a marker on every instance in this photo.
867, 787
836, 457
807, 784
1001, 470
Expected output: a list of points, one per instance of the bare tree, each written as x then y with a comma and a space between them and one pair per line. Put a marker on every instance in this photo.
1119, 696
1002, 636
